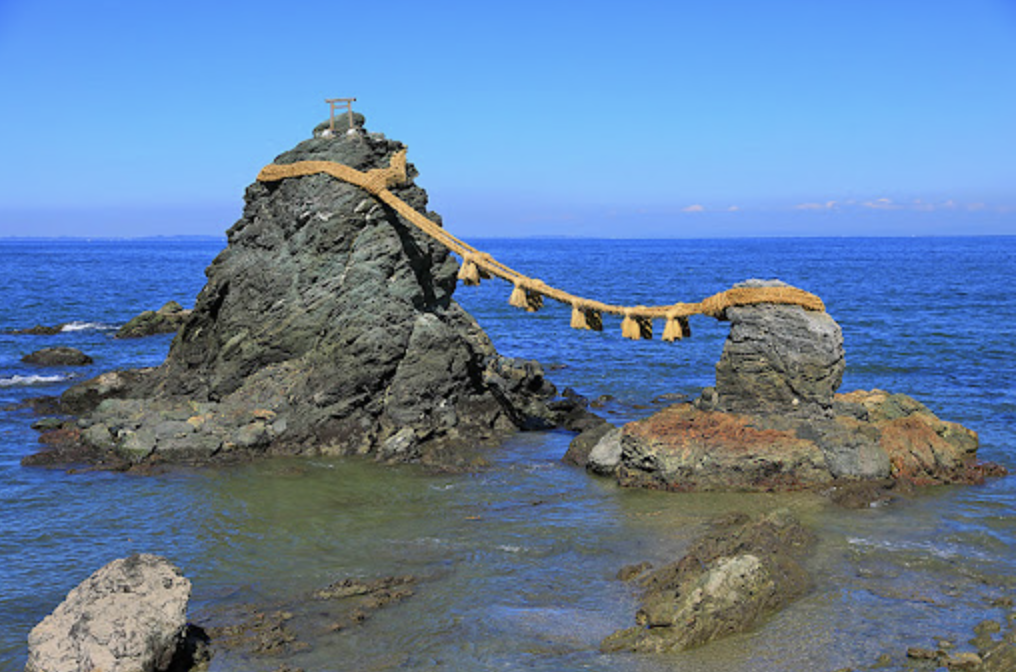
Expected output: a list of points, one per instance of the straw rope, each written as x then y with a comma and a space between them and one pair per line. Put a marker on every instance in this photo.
528, 293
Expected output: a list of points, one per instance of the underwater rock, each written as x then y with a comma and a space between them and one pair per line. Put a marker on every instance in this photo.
730, 580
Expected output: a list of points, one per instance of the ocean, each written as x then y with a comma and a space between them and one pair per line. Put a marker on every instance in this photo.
516, 564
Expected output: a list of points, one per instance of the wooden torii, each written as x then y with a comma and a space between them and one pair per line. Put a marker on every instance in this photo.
349, 111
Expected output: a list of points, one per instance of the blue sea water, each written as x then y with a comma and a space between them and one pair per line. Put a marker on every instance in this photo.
518, 562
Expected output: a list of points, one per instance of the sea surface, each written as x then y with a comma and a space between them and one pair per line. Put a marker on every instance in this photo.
516, 564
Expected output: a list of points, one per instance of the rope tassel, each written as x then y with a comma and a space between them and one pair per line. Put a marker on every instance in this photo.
469, 274
630, 328
578, 318
534, 301
518, 297
586, 318
676, 329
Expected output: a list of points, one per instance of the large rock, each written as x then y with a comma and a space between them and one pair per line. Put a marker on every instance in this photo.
774, 421
327, 325
779, 359
729, 581
875, 435
129, 616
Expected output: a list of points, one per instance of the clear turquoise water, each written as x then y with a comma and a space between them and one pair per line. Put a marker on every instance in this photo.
516, 563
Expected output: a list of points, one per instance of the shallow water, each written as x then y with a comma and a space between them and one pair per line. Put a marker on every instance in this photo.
516, 564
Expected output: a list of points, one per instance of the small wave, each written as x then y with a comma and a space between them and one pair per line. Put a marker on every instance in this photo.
944, 551
17, 381
508, 548
84, 326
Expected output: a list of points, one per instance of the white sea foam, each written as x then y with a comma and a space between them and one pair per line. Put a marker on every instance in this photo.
83, 326
18, 381
938, 549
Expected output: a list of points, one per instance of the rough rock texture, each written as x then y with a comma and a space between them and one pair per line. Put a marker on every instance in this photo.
165, 320
885, 436
774, 421
128, 616
327, 325
729, 581
779, 359
583, 444
605, 456
60, 356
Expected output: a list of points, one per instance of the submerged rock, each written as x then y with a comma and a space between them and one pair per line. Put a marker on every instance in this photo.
60, 356
40, 330
129, 615
729, 581
327, 326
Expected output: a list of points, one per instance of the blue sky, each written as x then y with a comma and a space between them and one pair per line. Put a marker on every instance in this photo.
617, 119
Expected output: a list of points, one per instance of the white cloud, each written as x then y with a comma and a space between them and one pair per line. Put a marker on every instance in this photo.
694, 208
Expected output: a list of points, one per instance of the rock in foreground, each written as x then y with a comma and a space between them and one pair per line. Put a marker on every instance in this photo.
128, 616
327, 326
728, 582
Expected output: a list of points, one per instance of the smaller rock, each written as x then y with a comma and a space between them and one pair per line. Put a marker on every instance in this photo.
730, 579
606, 454
40, 330
401, 446
46, 424
919, 653
129, 615
963, 661
60, 356
987, 627
583, 444
165, 320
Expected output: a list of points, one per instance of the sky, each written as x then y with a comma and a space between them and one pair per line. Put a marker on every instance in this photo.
607, 119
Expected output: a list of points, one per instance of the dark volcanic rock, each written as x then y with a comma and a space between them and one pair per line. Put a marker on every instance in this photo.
129, 615
165, 320
327, 325
60, 356
729, 581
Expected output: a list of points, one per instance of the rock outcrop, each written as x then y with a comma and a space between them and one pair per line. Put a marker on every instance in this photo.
775, 422
779, 359
327, 325
60, 356
729, 581
165, 320
129, 615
